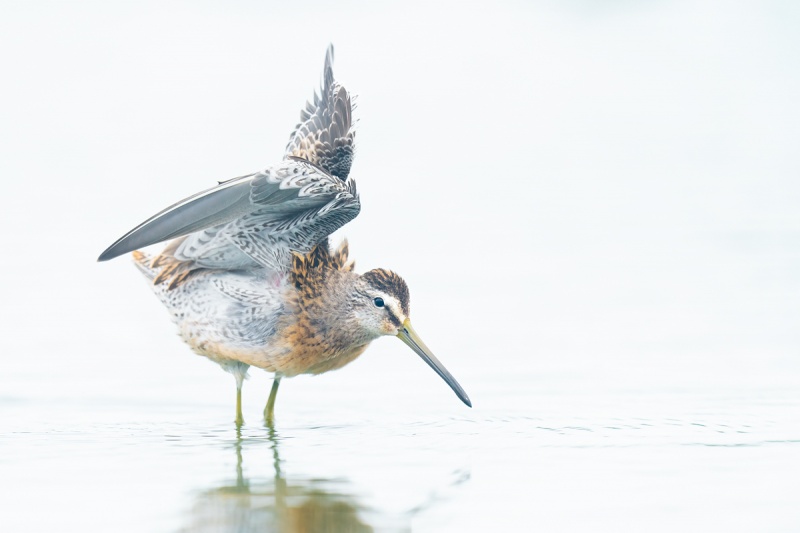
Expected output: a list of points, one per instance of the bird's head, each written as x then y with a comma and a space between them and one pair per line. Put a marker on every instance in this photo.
383, 309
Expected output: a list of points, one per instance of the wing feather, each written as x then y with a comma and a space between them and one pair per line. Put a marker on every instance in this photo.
258, 220
325, 133
289, 207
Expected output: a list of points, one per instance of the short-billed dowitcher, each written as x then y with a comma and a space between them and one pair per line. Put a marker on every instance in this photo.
249, 277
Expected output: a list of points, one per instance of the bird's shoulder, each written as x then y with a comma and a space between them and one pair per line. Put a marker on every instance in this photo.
309, 272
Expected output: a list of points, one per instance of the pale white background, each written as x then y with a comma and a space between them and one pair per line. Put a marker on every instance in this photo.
595, 205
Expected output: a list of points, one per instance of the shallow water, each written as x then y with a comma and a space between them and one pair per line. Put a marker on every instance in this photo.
594, 205
603, 460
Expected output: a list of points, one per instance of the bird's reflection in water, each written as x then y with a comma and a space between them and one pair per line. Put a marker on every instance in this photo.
280, 504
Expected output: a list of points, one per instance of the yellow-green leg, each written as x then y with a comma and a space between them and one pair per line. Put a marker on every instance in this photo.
269, 410
239, 417
239, 380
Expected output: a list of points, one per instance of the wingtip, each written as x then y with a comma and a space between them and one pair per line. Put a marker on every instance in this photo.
467, 401
110, 253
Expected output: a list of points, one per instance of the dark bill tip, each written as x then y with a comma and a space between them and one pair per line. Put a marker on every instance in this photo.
410, 337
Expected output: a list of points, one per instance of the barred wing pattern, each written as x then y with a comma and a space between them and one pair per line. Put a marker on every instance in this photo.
324, 136
294, 206
258, 220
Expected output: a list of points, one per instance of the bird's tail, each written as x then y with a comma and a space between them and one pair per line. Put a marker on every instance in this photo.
142, 261
164, 268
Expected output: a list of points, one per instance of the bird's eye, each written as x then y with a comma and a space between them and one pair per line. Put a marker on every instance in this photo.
378, 302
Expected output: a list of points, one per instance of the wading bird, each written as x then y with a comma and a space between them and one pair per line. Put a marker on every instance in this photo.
248, 275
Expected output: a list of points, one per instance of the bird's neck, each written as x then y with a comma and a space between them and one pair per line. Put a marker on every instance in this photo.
318, 333
327, 315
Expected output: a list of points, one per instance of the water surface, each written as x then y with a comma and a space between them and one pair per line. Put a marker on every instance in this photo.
594, 205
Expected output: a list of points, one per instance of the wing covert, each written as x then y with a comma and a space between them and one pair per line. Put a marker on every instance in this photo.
259, 221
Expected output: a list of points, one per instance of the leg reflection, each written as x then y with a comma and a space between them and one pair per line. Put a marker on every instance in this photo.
263, 497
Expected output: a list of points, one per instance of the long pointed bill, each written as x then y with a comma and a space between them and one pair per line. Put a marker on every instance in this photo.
410, 337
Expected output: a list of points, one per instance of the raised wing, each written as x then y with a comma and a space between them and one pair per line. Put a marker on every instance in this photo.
207, 208
252, 221
260, 219
324, 135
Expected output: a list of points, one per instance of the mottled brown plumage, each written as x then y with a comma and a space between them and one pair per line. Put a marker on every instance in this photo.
318, 264
248, 275
172, 270
313, 345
